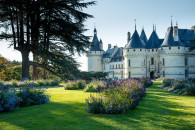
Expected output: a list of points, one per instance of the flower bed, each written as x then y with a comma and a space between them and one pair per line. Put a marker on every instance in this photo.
179, 86
116, 97
10, 99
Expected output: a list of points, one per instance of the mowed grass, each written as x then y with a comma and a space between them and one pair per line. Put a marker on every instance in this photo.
159, 109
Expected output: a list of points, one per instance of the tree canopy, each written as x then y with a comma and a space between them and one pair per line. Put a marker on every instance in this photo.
50, 29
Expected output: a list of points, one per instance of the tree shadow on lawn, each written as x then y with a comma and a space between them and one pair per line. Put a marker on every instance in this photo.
153, 112
69, 115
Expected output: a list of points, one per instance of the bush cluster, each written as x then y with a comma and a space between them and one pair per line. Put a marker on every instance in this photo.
146, 81
15, 83
10, 99
116, 97
179, 86
73, 85
95, 86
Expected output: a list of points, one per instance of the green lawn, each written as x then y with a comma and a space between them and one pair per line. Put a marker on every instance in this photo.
159, 109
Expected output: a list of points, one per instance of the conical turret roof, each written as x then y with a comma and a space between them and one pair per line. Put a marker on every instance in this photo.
135, 41
169, 40
153, 41
95, 42
143, 36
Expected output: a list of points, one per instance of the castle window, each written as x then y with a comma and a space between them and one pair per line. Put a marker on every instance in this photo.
152, 49
128, 50
121, 65
163, 74
169, 48
116, 66
129, 74
113, 66
163, 61
129, 63
152, 61
186, 73
156, 49
178, 47
133, 49
140, 49
186, 61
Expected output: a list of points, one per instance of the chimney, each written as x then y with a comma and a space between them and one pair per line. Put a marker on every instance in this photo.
109, 46
128, 37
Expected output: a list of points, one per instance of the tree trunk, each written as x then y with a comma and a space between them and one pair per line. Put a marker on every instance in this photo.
25, 65
35, 70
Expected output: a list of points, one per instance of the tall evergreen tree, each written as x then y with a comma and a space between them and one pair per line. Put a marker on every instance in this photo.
51, 29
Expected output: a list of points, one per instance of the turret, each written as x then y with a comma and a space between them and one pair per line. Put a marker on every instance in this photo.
143, 36
95, 54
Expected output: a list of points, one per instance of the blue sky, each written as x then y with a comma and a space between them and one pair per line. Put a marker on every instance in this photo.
114, 18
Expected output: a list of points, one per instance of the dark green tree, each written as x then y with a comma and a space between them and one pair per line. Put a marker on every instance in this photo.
51, 29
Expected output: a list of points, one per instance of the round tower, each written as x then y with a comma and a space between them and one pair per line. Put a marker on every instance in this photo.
134, 57
95, 54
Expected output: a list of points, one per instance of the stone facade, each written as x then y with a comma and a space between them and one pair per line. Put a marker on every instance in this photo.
169, 57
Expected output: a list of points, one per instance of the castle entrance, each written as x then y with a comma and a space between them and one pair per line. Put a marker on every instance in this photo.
152, 75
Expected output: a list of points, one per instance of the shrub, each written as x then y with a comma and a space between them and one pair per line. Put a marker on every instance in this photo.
28, 97
180, 86
167, 82
146, 81
73, 85
40, 82
8, 99
54, 82
116, 97
14, 83
95, 86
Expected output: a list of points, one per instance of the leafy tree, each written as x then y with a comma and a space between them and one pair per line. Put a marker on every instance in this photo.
51, 29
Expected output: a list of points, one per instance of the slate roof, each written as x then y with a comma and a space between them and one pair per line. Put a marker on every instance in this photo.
143, 36
185, 35
169, 40
154, 41
135, 41
95, 42
118, 57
